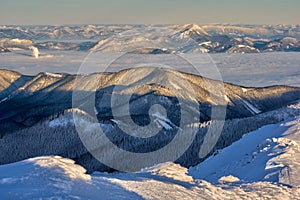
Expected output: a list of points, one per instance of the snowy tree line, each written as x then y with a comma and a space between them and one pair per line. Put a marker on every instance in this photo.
63, 140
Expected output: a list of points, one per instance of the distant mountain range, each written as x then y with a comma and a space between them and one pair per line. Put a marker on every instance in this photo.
207, 38
39, 108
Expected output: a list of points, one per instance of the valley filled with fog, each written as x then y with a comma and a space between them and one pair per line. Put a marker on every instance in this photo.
259, 69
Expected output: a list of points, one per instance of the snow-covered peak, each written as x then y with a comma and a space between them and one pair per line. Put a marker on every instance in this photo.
188, 28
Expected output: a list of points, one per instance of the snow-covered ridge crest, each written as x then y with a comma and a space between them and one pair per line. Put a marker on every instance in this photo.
66, 166
55, 75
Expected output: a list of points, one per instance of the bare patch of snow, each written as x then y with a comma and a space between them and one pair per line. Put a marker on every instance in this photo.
229, 179
5, 99
226, 98
205, 43
54, 75
61, 121
176, 86
95, 111
161, 121
244, 90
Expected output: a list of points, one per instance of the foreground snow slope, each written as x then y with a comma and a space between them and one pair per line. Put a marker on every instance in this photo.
264, 164
55, 178
271, 154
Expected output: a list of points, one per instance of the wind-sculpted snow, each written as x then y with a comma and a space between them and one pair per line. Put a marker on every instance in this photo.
55, 178
37, 113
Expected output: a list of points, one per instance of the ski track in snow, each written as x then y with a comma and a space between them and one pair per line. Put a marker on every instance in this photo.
250, 107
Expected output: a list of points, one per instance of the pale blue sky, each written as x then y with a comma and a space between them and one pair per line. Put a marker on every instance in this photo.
149, 11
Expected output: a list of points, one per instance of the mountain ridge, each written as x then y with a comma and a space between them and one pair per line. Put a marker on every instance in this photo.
53, 92
210, 38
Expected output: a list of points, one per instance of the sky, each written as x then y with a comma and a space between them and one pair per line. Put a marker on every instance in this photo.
57, 12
